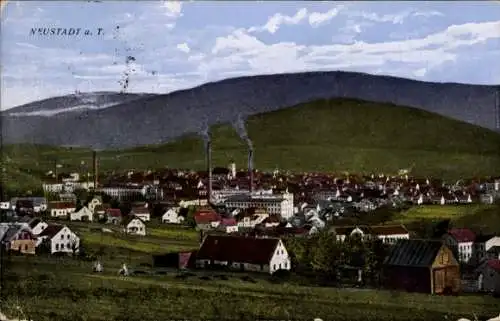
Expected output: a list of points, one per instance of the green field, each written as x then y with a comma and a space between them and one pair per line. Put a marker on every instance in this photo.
440, 212
64, 289
332, 136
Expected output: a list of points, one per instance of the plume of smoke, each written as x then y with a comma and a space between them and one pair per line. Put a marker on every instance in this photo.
240, 127
205, 135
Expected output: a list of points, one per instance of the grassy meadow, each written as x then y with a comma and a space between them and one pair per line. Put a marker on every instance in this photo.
64, 288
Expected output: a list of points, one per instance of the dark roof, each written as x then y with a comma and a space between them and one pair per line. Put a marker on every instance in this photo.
482, 238
238, 249
494, 264
388, 230
10, 232
462, 234
414, 253
51, 230
34, 222
129, 218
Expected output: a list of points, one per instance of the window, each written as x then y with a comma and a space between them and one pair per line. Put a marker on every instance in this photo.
280, 266
67, 236
68, 246
26, 247
274, 266
62, 246
57, 247
286, 265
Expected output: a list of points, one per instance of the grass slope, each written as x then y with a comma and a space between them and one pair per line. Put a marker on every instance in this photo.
326, 135
63, 289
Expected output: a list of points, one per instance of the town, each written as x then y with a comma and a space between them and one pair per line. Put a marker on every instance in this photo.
340, 229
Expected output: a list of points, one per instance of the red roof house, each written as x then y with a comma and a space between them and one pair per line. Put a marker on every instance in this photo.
244, 253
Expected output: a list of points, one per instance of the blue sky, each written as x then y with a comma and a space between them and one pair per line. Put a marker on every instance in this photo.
179, 45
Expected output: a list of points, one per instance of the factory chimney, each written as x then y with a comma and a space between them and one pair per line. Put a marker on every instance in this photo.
209, 170
250, 170
95, 168
497, 109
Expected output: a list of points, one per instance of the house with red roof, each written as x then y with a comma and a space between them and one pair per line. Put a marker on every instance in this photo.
228, 225
207, 219
242, 253
489, 276
461, 241
114, 215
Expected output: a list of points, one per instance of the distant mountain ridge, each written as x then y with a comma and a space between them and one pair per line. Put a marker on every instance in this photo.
152, 119
73, 103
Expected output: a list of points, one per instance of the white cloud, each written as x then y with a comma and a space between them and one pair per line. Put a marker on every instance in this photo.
395, 18
174, 8
274, 22
318, 18
184, 47
427, 52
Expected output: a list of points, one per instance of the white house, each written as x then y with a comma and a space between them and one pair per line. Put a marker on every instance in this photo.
171, 216
134, 225
251, 220
94, 202
37, 226
489, 276
142, 213
461, 241
281, 204
4, 205
83, 214
389, 234
61, 209
59, 238
266, 255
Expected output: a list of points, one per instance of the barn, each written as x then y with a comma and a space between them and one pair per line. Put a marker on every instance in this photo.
177, 260
425, 266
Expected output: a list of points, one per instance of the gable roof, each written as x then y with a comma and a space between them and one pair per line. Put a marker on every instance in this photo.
414, 253
206, 217
34, 222
51, 230
238, 249
115, 212
462, 235
129, 218
10, 232
388, 230
482, 238
61, 205
494, 264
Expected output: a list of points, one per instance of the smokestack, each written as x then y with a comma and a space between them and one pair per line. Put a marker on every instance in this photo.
497, 109
250, 170
209, 170
95, 168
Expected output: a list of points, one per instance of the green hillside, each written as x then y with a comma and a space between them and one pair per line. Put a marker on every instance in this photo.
326, 135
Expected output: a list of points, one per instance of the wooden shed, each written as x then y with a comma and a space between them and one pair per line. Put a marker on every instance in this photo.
421, 266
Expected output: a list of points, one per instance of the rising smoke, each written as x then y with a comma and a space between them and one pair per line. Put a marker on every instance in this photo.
240, 127
204, 133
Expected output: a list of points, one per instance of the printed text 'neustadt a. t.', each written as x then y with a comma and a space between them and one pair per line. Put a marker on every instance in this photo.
66, 32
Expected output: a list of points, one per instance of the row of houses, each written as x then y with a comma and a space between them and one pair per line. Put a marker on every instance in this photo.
412, 265
26, 237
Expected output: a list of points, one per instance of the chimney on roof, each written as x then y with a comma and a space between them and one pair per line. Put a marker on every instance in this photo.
250, 170
209, 170
95, 168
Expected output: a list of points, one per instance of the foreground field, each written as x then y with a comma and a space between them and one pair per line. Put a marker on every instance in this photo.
65, 290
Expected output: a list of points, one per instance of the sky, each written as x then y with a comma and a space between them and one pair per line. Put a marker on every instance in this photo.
179, 45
